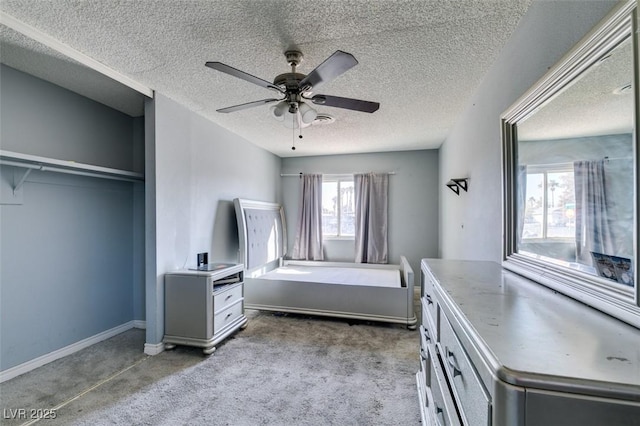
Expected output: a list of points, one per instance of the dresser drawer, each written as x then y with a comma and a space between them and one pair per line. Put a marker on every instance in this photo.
468, 389
425, 342
226, 297
225, 317
429, 301
442, 408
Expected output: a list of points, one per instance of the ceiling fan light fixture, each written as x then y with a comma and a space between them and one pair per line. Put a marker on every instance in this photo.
290, 121
295, 121
307, 113
280, 110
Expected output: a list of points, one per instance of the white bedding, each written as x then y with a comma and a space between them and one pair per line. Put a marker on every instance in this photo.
336, 275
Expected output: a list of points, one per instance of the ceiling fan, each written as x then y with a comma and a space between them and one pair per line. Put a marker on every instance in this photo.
295, 88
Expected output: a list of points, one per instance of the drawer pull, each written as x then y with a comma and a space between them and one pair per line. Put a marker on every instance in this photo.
228, 297
451, 359
429, 301
440, 421
228, 315
426, 334
423, 355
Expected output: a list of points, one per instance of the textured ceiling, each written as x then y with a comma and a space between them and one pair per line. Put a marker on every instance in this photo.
420, 59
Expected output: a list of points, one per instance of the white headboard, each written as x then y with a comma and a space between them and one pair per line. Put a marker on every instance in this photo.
261, 232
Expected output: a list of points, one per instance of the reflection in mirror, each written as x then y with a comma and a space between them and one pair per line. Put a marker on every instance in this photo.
571, 171
574, 175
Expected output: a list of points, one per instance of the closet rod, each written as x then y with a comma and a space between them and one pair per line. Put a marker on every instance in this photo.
44, 168
330, 174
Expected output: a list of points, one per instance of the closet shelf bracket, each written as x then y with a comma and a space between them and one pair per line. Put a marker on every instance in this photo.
18, 185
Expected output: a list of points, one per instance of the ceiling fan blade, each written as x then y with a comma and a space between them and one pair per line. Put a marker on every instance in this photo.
332, 67
347, 103
247, 105
219, 66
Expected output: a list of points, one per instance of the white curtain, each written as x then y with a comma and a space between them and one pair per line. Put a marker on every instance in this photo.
308, 242
371, 191
593, 231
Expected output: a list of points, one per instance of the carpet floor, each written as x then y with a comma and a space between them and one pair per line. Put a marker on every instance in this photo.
280, 370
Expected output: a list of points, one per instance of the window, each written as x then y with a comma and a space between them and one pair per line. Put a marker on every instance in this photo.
338, 207
549, 212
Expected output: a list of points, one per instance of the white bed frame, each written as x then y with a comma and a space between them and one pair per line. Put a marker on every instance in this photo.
263, 240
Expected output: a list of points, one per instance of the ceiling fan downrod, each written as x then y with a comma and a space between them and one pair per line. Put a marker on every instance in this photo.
294, 58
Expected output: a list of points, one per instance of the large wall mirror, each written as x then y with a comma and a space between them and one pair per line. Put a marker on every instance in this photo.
571, 172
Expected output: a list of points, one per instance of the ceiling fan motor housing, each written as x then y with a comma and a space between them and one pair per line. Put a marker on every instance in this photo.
290, 81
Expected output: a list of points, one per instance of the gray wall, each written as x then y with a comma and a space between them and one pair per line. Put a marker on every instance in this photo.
413, 200
40, 118
471, 224
199, 168
67, 243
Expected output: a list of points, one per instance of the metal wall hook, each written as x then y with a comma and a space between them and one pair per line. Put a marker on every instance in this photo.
456, 183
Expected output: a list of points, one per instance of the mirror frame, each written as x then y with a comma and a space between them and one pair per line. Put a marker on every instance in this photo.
584, 287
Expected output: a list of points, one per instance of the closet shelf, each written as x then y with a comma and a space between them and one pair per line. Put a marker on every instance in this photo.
45, 164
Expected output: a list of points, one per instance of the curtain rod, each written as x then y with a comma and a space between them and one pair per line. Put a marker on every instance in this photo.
570, 163
331, 174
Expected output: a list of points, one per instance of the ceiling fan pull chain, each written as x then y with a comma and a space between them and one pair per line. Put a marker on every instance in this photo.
293, 138
299, 117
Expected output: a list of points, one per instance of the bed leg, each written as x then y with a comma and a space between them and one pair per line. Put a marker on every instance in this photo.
412, 326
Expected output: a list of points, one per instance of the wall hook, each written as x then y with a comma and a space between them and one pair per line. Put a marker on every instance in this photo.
456, 183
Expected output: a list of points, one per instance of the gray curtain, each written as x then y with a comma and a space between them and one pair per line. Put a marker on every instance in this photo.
593, 231
371, 191
308, 242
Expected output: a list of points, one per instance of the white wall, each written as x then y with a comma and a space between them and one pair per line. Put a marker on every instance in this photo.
198, 169
413, 200
471, 224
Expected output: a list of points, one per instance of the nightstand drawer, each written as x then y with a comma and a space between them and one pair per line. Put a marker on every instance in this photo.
226, 297
227, 316
469, 390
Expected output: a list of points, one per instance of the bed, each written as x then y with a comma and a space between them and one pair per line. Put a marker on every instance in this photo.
361, 291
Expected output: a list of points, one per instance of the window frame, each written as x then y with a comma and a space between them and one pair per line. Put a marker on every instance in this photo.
338, 178
589, 289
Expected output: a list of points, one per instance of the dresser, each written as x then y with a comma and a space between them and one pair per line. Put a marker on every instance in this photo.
498, 349
203, 307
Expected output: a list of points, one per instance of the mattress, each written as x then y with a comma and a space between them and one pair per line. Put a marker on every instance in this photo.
336, 275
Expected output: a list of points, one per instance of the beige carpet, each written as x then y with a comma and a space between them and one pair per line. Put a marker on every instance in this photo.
280, 370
